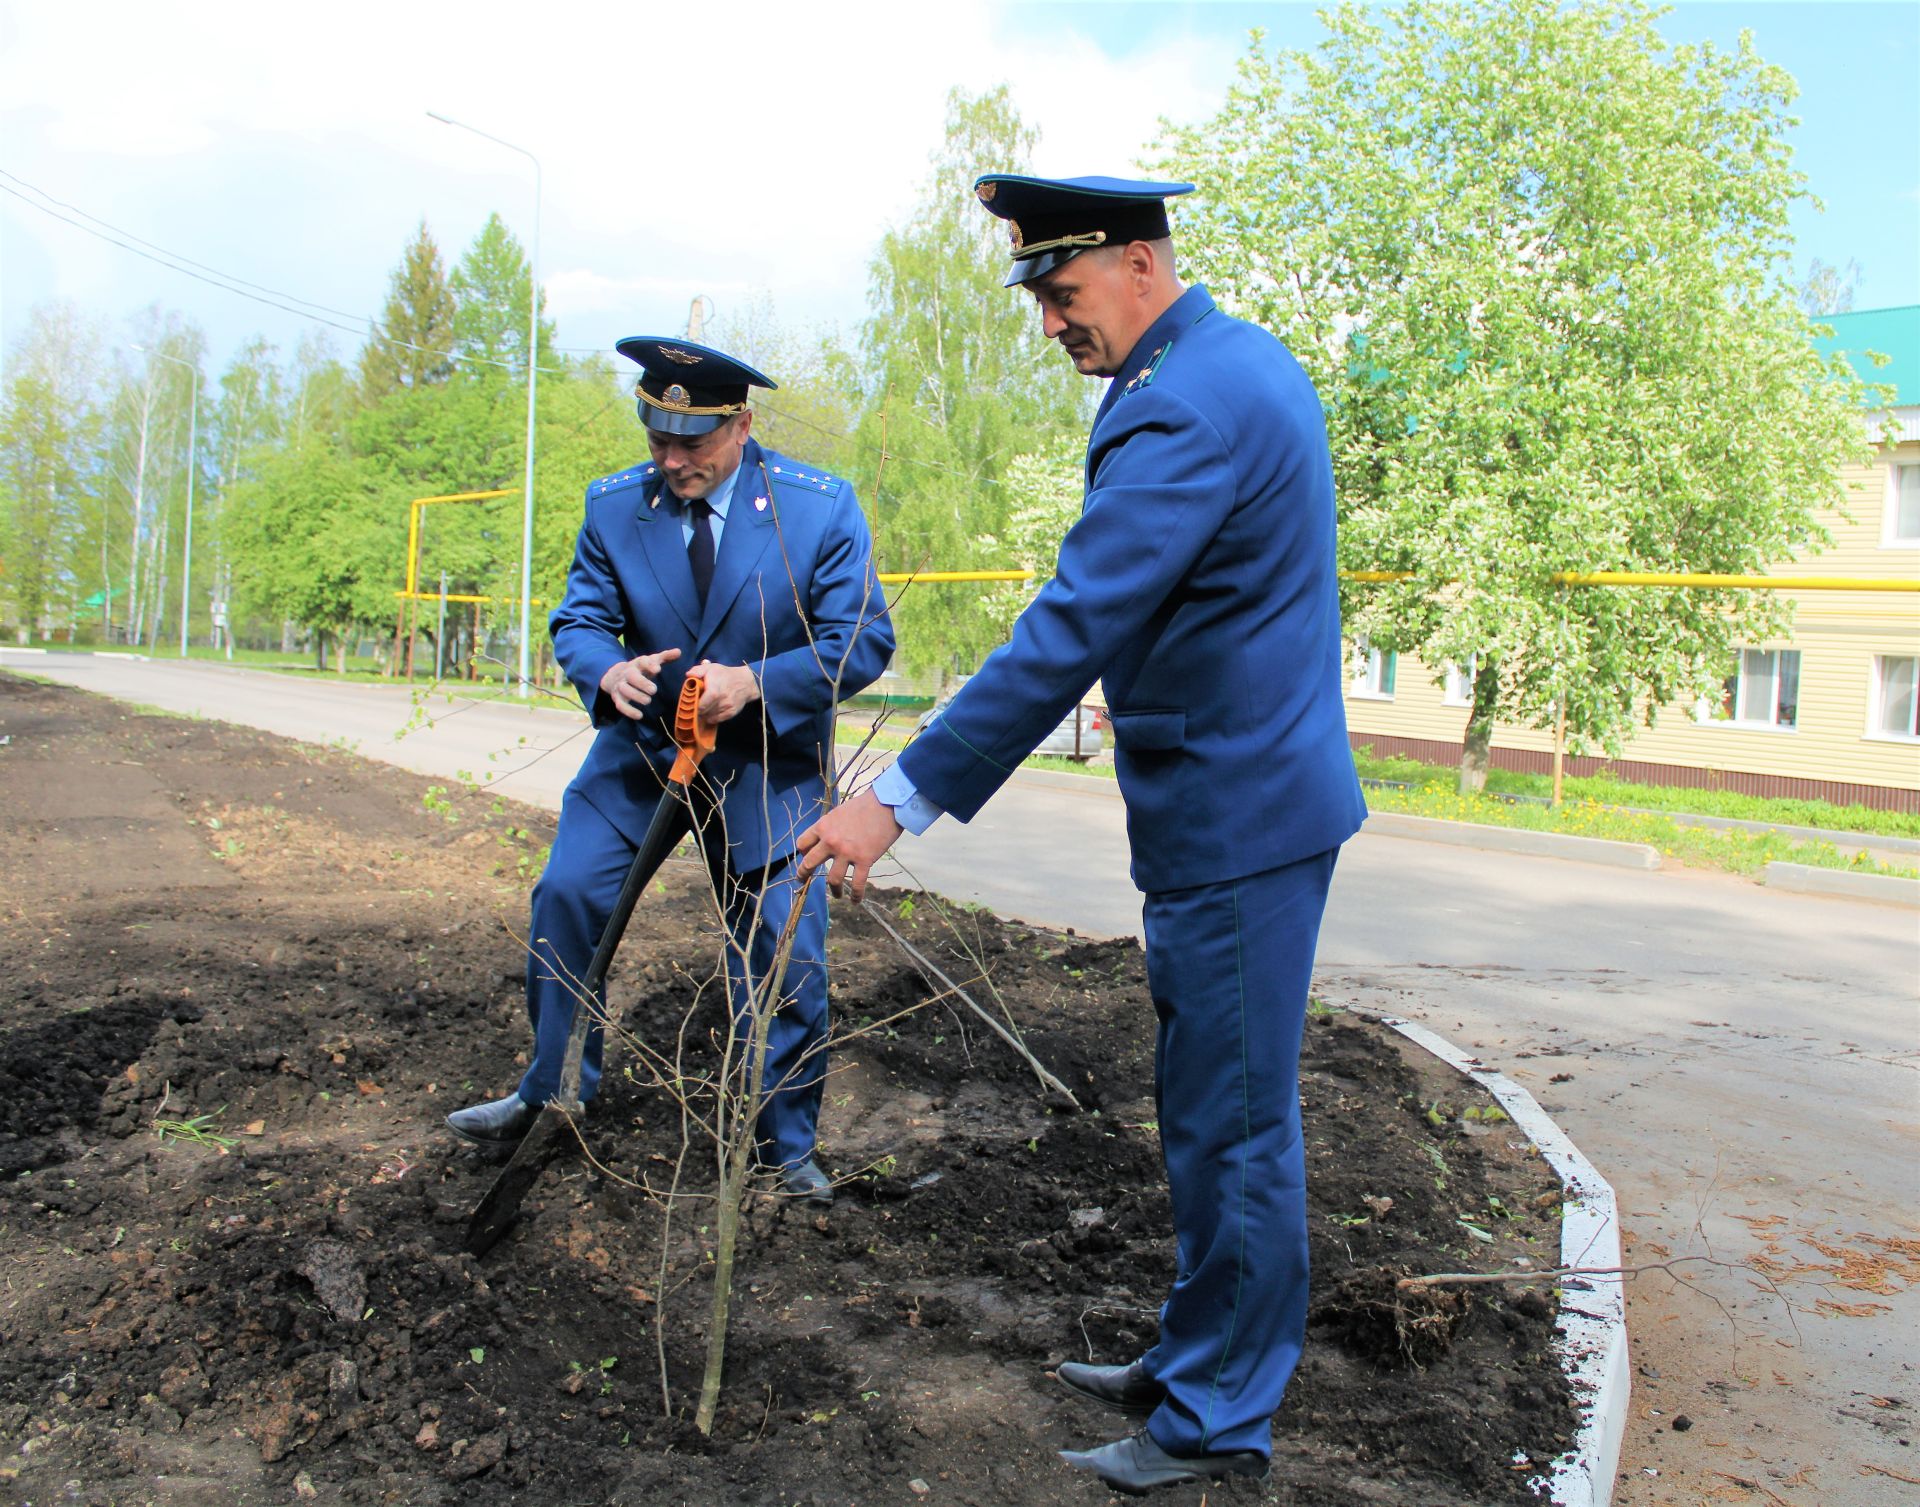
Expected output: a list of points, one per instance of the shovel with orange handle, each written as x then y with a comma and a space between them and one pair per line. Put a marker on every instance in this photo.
672, 820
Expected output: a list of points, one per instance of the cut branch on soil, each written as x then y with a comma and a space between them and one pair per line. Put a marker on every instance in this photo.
1009, 1036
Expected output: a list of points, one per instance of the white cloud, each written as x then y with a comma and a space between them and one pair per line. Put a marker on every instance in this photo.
685, 150
578, 291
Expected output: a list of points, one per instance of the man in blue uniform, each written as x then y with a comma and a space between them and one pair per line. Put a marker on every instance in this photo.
757, 572
1199, 584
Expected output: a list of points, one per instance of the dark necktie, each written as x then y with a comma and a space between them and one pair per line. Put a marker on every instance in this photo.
700, 547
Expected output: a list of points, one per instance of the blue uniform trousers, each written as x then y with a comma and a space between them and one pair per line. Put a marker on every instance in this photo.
1228, 965
571, 902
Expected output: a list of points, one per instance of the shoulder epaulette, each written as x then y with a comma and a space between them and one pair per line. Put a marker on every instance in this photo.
1144, 377
813, 481
637, 476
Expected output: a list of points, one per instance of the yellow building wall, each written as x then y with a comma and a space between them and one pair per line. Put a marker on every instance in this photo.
1837, 633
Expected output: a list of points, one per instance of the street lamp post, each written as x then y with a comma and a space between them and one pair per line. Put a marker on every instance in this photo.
533, 367
193, 434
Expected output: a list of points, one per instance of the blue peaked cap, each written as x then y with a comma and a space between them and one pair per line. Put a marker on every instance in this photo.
687, 389
1053, 220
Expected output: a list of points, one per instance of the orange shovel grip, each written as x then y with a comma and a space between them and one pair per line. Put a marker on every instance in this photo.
692, 734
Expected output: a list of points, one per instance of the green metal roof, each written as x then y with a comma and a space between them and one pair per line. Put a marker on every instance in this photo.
1889, 332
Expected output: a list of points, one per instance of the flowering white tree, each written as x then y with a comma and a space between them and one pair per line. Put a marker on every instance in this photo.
1538, 265
1043, 492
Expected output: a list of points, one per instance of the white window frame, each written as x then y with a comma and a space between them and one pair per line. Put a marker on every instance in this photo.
1877, 730
1741, 715
1890, 535
1459, 686
1373, 672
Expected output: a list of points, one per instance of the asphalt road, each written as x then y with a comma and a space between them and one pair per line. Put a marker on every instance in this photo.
1744, 1064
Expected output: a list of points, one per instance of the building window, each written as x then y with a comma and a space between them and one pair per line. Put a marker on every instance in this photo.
1459, 691
1896, 696
1372, 672
1763, 690
1903, 507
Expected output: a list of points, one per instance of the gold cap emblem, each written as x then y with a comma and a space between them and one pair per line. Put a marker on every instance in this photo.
1018, 239
676, 396
986, 191
685, 358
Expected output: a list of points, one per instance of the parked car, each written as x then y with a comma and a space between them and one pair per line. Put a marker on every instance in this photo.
1081, 734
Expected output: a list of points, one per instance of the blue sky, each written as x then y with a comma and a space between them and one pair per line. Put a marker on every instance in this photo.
761, 157
1857, 63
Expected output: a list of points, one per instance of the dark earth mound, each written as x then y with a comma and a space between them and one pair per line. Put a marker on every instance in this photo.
243, 980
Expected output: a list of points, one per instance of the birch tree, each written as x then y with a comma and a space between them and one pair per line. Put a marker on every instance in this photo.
956, 380
50, 424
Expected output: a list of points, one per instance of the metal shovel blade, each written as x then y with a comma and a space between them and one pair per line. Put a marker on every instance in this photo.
497, 1211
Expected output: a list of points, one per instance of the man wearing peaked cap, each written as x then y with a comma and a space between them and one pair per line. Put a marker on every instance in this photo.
686, 389
757, 572
1053, 220
1199, 585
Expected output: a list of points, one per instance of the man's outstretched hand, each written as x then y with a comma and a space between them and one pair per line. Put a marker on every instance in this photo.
632, 682
849, 840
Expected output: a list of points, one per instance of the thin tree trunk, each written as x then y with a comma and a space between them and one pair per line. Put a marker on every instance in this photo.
1476, 749
157, 583
736, 1167
136, 601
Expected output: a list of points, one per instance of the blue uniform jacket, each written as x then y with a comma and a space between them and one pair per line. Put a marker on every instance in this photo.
793, 596
1199, 583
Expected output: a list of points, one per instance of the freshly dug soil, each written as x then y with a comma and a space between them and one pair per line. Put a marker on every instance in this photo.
245, 978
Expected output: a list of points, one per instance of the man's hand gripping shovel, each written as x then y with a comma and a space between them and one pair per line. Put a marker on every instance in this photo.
552, 1129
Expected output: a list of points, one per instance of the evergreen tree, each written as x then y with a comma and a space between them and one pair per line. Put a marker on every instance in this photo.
470, 434
489, 289
410, 346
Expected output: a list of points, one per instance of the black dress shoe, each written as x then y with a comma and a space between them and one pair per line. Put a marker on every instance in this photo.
806, 1182
1126, 1388
1136, 1465
498, 1126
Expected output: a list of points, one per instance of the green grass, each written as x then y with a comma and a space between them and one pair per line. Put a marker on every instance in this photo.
361, 668
1432, 794
1610, 790
1589, 810
196, 1130
292, 660
1738, 852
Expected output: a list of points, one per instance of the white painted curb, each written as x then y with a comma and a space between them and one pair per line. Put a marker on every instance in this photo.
1811, 879
1620, 855
92, 654
1593, 1310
